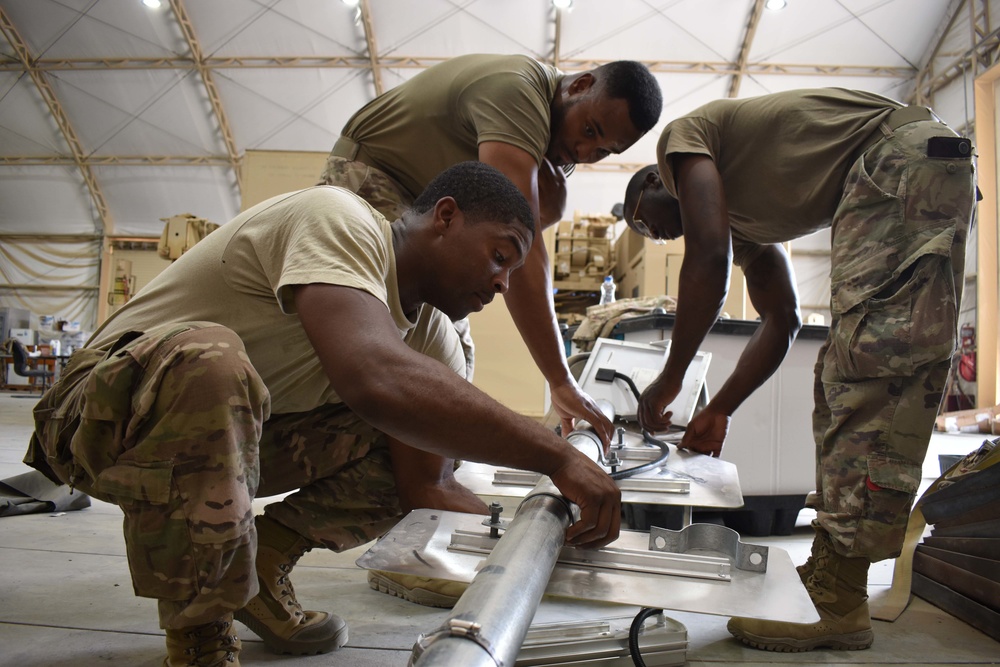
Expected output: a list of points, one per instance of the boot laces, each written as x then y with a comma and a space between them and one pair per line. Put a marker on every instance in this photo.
208, 642
820, 581
287, 592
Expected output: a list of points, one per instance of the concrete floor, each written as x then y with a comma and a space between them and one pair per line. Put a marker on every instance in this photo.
66, 598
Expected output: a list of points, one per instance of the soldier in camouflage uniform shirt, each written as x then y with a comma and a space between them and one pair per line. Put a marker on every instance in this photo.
280, 355
897, 188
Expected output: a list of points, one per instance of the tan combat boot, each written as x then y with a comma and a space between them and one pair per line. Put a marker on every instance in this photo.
210, 645
838, 587
274, 614
427, 591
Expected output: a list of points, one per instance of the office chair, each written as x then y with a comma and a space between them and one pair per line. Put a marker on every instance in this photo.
21, 364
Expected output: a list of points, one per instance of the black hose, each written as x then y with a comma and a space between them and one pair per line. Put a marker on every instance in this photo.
633, 634
629, 382
647, 437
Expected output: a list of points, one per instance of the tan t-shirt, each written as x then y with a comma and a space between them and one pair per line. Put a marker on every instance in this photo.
439, 117
783, 157
241, 276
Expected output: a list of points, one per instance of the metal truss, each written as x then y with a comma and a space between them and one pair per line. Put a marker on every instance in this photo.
40, 79
985, 51
423, 62
208, 78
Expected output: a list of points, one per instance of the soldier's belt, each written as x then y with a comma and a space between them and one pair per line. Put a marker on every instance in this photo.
897, 119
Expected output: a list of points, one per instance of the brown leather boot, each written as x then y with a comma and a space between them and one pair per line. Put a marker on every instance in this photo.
209, 645
274, 614
838, 586
427, 591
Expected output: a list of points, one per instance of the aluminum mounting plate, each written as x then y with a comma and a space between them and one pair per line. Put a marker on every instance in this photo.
713, 482
418, 545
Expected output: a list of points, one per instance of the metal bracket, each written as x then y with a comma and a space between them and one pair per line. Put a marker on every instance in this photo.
700, 566
453, 627
710, 537
507, 477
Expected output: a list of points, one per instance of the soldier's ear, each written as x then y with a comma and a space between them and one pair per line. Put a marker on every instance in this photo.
582, 83
446, 214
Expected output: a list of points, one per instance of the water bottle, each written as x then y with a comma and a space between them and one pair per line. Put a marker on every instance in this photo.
607, 291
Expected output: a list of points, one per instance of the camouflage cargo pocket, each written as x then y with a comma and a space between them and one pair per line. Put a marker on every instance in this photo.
909, 322
889, 492
158, 545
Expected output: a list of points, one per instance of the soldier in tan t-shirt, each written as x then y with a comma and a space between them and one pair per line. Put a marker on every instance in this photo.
897, 188
281, 356
523, 117
529, 120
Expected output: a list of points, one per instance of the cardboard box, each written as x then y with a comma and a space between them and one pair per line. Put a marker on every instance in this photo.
976, 420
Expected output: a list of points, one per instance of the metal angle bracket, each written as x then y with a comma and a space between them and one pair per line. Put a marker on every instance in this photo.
710, 537
700, 566
604, 642
506, 477
649, 485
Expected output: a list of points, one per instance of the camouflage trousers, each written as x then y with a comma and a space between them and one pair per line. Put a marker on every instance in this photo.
391, 200
174, 427
373, 185
898, 268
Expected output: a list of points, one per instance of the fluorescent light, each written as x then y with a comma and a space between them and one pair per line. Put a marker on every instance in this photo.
152, 4
776, 5
352, 3
562, 4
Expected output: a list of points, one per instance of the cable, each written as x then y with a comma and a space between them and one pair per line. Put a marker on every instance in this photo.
609, 375
633, 634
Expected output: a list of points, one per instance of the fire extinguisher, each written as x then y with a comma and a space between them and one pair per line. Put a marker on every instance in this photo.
967, 360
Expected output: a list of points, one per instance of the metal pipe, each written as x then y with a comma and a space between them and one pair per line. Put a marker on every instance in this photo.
487, 626
489, 622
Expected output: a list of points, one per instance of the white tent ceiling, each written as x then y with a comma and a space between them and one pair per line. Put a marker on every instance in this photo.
114, 115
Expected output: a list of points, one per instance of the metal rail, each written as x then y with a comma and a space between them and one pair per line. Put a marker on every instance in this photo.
507, 477
700, 566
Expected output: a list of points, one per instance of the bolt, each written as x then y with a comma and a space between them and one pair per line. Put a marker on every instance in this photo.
495, 510
614, 461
